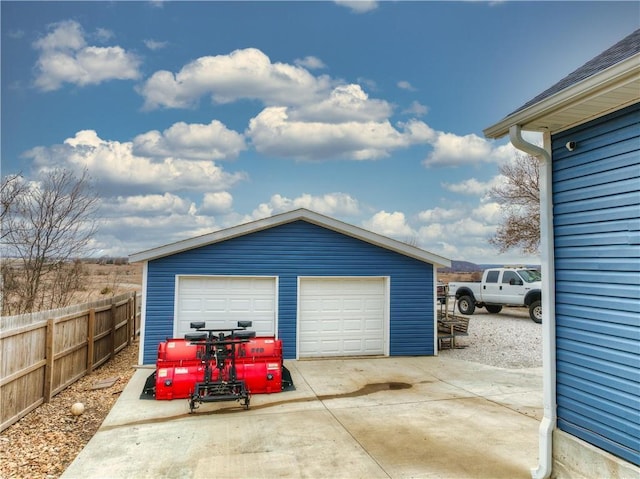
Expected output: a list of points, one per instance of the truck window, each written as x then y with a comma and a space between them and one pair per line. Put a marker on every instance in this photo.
492, 276
530, 275
507, 276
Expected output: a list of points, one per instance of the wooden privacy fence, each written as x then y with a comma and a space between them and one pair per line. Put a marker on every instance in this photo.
41, 358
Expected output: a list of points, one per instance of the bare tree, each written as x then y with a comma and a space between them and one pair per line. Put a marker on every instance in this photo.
46, 226
519, 198
12, 187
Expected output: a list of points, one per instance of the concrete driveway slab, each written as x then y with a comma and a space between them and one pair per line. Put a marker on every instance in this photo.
346, 418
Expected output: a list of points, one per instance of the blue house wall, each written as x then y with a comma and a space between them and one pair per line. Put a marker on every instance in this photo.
288, 251
596, 196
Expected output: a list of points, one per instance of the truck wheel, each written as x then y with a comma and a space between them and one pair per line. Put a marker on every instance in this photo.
494, 308
535, 311
466, 305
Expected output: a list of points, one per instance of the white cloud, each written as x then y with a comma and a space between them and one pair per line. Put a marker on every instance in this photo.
247, 73
219, 202
330, 204
306, 117
103, 35
155, 44
345, 103
149, 205
394, 225
15, 34
405, 85
310, 62
113, 163
358, 6
191, 141
473, 186
438, 214
416, 109
451, 149
66, 58
490, 213
121, 235
273, 133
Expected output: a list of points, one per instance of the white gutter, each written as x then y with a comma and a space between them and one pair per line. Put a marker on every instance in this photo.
548, 424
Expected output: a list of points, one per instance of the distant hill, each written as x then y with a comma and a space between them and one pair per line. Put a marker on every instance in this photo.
468, 267
461, 267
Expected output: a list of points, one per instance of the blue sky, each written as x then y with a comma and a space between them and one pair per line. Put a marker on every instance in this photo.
192, 117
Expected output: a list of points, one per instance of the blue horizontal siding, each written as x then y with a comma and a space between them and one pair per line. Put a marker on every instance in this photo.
616, 418
628, 225
299, 249
595, 217
606, 277
607, 372
606, 289
596, 196
602, 441
610, 430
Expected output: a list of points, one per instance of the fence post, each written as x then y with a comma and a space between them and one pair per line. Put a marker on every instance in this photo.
129, 320
49, 352
91, 332
113, 330
135, 315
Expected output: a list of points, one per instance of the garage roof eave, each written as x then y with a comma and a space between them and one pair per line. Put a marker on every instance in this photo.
295, 215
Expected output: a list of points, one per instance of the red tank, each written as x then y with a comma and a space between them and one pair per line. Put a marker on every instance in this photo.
179, 352
177, 382
262, 377
258, 349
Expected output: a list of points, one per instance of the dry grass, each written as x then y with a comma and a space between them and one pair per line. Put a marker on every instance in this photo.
107, 280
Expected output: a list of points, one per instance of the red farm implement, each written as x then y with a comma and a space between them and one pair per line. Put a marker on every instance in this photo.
213, 365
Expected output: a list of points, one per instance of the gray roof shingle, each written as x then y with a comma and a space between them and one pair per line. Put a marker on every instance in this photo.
622, 50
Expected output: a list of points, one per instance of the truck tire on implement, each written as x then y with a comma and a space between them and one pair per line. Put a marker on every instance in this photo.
535, 311
466, 305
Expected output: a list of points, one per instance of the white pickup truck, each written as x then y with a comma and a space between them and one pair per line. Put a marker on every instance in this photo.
501, 287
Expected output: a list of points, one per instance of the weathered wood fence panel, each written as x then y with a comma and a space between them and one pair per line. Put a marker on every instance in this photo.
44, 356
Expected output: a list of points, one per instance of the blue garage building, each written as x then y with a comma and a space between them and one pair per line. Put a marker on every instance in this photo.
326, 288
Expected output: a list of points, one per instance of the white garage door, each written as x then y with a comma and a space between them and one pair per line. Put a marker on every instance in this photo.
341, 317
223, 301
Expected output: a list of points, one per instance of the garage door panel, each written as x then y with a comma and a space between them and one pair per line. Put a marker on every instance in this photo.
191, 304
373, 345
213, 306
330, 346
222, 301
330, 326
353, 305
353, 326
263, 305
345, 315
352, 346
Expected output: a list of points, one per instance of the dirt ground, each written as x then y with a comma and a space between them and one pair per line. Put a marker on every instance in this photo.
44, 442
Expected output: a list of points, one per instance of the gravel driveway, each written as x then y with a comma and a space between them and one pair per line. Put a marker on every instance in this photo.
508, 339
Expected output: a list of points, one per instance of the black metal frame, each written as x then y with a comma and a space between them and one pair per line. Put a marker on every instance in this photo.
220, 348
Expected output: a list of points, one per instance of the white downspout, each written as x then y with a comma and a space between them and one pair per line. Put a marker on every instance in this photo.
548, 424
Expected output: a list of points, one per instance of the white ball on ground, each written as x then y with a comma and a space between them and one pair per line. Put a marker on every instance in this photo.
77, 409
